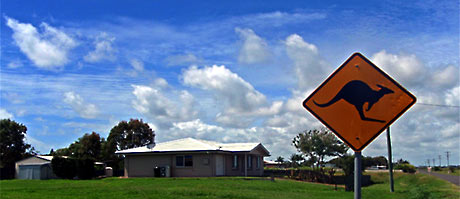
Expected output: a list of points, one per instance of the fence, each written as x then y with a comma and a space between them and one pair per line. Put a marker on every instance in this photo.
316, 176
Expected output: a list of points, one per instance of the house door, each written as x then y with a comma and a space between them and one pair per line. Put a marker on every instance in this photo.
219, 165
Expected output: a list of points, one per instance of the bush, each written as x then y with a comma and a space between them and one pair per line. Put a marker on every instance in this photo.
64, 167
406, 168
85, 169
452, 169
437, 169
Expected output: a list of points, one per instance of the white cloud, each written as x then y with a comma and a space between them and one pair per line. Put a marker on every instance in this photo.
182, 60
103, 49
196, 128
137, 65
407, 69
309, 67
240, 103
161, 83
231, 90
452, 96
253, 49
451, 132
4, 114
153, 126
446, 77
47, 50
85, 110
164, 108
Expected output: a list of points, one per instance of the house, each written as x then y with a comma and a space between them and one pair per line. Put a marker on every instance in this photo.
39, 167
191, 157
35, 167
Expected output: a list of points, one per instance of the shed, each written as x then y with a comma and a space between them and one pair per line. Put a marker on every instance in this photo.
35, 167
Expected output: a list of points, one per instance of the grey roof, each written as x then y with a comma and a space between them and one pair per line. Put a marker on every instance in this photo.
45, 157
191, 144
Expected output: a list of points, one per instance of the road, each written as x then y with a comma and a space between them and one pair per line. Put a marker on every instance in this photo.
451, 178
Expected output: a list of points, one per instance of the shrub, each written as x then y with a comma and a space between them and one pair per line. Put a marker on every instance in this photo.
452, 169
64, 167
85, 169
347, 163
406, 168
437, 169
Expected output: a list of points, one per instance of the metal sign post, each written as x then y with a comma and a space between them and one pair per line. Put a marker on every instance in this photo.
358, 174
390, 161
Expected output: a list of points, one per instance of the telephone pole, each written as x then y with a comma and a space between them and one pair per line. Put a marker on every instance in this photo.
434, 163
447, 158
439, 160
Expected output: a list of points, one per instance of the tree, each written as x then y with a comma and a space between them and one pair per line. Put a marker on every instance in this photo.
296, 160
347, 163
401, 161
85, 168
64, 167
62, 152
279, 159
380, 160
12, 146
87, 147
316, 145
134, 133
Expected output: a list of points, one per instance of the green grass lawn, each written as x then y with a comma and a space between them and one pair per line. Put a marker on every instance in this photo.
406, 186
410, 186
446, 171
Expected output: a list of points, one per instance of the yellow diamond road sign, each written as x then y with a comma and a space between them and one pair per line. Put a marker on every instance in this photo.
358, 101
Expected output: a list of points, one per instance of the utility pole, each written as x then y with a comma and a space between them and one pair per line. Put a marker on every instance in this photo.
428, 162
439, 161
447, 158
434, 163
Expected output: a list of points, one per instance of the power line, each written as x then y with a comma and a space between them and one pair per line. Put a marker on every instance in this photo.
439, 105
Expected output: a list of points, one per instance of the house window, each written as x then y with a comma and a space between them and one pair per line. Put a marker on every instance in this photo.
258, 162
235, 162
188, 161
184, 160
249, 161
180, 161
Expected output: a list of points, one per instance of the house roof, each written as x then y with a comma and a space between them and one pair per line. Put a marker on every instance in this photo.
45, 157
193, 145
271, 162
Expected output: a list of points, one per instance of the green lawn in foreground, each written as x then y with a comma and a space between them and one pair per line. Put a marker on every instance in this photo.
406, 187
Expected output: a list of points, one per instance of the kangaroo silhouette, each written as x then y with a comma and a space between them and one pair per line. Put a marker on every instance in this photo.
357, 93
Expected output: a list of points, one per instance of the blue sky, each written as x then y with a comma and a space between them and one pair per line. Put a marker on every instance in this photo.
233, 71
